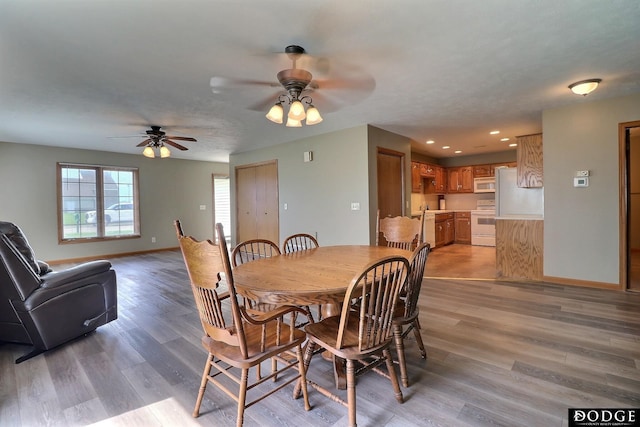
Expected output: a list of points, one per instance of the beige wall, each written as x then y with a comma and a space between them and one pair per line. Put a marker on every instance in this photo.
581, 225
169, 189
319, 194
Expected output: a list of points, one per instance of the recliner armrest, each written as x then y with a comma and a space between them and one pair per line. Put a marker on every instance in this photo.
78, 272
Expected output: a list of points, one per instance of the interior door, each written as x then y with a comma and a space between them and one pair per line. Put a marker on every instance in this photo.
257, 202
632, 154
390, 182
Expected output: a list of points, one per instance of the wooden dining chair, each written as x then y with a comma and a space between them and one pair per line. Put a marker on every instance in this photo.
364, 334
243, 342
299, 242
254, 249
302, 242
400, 231
406, 315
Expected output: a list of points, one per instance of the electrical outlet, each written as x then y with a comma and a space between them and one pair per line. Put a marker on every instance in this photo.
582, 173
355, 206
153, 240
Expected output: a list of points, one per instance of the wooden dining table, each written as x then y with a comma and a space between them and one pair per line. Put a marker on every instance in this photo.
310, 277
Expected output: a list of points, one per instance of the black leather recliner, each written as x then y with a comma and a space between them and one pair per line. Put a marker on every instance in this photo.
45, 308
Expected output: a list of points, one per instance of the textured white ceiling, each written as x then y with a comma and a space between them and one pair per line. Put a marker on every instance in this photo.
77, 73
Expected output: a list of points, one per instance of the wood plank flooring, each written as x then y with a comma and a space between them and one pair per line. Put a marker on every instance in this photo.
499, 354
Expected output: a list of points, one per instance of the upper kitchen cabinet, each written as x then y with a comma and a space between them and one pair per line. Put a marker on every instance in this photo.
416, 178
440, 182
481, 171
460, 180
530, 161
427, 170
436, 184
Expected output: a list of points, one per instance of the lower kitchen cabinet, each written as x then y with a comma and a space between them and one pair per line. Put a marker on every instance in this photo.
463, 227
445, 229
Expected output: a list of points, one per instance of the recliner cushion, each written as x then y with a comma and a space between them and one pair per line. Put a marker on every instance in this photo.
19, 240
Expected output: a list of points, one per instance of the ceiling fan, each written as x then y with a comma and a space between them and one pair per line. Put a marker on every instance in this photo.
157, 140
340, 85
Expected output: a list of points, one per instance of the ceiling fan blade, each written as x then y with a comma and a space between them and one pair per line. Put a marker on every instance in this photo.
219, 84
175, 144
265, 103
181, 138
143, 143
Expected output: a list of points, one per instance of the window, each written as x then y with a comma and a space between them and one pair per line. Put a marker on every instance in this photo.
221, 207
97, 202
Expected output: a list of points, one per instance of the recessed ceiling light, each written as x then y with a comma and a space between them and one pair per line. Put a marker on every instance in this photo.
458, 151
513, 145
446, 147
504, 139
494, 132
430, 141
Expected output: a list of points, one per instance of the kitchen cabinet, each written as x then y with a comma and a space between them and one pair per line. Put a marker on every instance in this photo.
460, 179
463, 228
436, 184
519, 249
481, 171
444, 229
530, 161
439, 183
427, 170
416, 178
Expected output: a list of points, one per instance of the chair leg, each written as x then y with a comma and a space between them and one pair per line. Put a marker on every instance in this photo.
303, 380
203, 385
397, 334
308, 354
274, 368
242, 397
351, 392
392, 374
416, 332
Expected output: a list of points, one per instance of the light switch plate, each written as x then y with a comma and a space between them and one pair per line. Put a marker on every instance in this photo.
582, 173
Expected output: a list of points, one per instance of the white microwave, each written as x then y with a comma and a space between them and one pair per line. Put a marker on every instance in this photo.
484, 185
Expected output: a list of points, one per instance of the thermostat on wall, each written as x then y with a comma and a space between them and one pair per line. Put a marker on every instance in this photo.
581, 181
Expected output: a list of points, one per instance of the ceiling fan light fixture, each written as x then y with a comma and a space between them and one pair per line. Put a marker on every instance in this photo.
276, 113
148, 152
296, 111
293, 123
313, 116
164, 152
584, 87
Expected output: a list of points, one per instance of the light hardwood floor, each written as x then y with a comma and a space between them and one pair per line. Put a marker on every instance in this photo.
499, 354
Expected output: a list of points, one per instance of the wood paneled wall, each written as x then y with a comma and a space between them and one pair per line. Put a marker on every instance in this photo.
519, 249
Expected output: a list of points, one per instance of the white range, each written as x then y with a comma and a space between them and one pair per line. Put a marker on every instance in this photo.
483, 223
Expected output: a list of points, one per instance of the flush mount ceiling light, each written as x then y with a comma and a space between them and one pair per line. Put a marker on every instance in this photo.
294, 80
584, 87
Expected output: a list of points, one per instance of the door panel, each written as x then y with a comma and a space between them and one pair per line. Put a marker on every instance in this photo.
257, 202
390, 183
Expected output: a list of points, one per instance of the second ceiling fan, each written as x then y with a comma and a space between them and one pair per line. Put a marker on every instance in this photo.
157, 140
